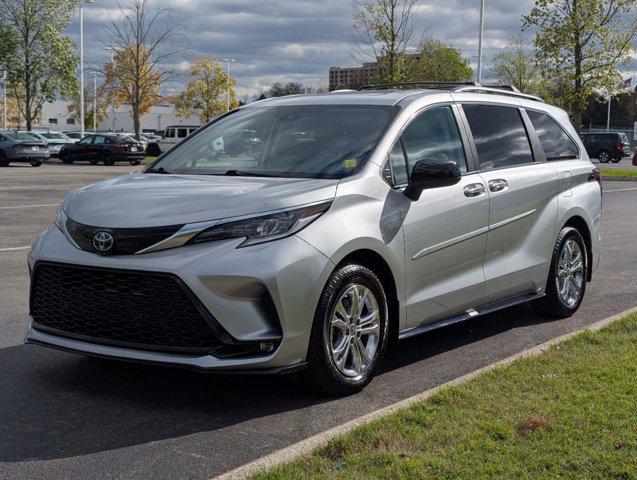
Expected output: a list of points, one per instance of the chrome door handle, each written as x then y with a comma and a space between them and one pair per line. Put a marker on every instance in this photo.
498, 184
473, 190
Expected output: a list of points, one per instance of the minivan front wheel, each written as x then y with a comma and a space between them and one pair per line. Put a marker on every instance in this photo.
567, 277
349, 334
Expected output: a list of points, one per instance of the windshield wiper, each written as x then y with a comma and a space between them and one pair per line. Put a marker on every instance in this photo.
157, 170
243, 173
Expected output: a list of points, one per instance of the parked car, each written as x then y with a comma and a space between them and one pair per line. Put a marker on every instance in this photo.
55, 141
74, 135
346, 222
172, 136
606, 146
20, 147
107, 148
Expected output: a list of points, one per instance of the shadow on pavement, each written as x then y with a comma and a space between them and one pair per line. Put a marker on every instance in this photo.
57, 405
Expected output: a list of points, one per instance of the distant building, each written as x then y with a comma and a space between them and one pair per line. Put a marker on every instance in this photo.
56, 116
352, 77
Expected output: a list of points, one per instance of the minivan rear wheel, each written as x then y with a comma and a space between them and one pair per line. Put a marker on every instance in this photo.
349, 333
566, 284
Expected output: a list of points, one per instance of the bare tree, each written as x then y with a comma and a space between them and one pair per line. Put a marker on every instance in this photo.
143, 41
382, 30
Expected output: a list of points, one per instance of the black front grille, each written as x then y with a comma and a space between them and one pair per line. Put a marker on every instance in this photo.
120, 307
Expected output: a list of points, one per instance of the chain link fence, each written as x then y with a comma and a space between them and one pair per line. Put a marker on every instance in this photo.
630, 132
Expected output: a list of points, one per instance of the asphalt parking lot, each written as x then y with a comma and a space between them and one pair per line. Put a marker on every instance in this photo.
66, 416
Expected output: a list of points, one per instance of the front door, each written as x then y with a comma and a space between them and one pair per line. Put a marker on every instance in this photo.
445, 230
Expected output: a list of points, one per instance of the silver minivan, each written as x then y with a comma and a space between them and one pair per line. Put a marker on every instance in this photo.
305, 233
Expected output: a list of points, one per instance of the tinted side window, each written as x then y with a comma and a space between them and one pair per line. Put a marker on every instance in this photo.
434, 136
182, 133
170, 132
556, 143
499, 135
86, 140
99, 140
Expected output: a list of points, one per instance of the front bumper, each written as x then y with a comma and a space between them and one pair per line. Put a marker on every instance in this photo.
230, 284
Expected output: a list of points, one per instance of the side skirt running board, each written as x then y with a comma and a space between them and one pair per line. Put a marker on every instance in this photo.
493, 307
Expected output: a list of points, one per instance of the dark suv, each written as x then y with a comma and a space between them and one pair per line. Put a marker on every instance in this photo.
607, 146
107, 148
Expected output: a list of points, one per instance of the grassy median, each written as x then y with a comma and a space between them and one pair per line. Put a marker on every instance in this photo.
568, 413
619, 173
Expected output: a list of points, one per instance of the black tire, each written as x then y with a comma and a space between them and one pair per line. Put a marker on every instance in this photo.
153, 150
94, 161
4, 162
66, 159
616, 159
36, 163
134, 162
604, 156
321, 373
553, 304
107, 159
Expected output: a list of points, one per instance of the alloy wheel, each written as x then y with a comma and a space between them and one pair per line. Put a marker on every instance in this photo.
354, 331
570, 272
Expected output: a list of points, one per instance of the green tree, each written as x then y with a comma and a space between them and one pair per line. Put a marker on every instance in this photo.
516, 65
438, 62
580, 44
279, 89
382, 31
40, 62
206, 93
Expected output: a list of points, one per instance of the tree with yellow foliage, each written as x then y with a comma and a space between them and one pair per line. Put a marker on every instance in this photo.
142, 42
206, 93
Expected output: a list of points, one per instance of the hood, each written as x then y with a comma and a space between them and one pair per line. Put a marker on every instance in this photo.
151, 200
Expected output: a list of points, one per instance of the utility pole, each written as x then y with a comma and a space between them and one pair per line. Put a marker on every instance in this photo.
479, 76
608, 114
112, 50
228, 60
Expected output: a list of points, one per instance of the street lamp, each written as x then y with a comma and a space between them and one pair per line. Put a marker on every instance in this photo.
81, 3
94, 102
479, 76
228, 60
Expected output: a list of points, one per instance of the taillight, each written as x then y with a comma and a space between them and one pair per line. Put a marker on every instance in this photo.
120, 145
596, 175
618, 146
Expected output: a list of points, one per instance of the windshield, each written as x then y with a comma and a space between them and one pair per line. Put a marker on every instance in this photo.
288, 141
23, 136
54, 136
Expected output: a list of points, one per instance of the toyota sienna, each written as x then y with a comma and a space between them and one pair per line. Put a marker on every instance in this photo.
305, 233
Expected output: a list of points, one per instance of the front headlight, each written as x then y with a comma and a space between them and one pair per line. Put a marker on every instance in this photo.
265, 228
60, 222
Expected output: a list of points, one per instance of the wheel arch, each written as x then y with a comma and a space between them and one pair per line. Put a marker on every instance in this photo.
375, 262
581, 226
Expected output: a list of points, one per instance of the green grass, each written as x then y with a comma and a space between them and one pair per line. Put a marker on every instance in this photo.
148, 160
629, 173
568, 413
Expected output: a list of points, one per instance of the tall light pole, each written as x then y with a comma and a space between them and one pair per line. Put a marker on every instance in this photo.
608, 114
112, 50
94, 102
82, 2
228, 60
479, 75
4, 96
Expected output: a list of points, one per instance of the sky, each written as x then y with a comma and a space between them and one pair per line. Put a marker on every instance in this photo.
298, 40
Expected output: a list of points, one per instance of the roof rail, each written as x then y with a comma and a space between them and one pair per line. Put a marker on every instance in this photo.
508, 90
382, 86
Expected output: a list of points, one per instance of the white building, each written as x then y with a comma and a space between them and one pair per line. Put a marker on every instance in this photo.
56, 116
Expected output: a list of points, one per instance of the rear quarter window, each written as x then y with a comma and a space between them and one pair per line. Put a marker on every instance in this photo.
555, 141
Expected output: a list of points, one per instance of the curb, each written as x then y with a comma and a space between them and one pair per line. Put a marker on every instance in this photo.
619, 178
306, 446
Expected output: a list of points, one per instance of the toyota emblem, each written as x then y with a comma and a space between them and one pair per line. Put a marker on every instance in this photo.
103, 241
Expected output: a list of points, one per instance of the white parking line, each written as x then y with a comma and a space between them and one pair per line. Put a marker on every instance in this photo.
14, 249
30, 206
620, 190
50, 187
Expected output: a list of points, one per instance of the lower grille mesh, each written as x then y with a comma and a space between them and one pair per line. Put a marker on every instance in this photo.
147, 310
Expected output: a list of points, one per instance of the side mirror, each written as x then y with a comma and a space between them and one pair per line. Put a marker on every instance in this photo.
431, 174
